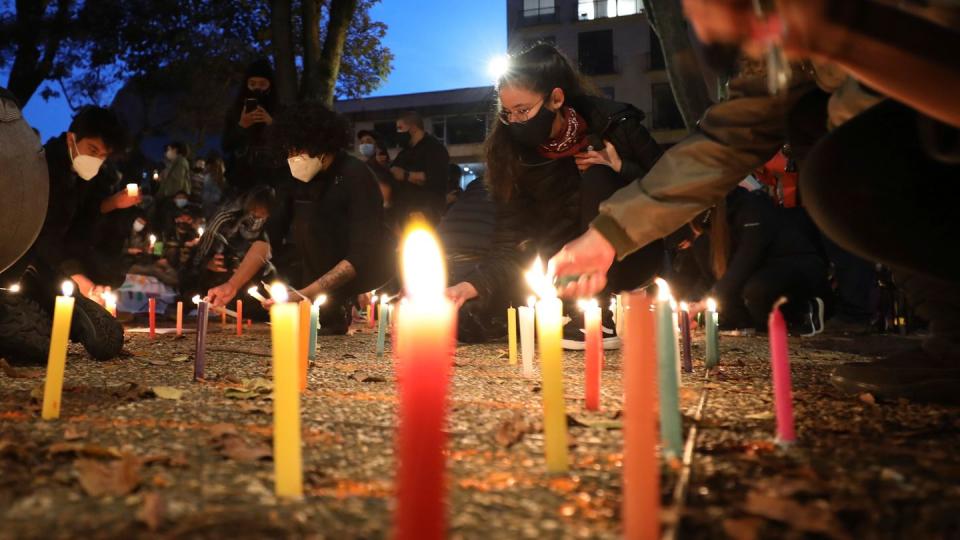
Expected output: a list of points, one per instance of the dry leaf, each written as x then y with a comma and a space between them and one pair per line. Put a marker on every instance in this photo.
814, 516
115, 478
131, 391
512, 430
219, 430
71, 433
83, 449
240, 393
868, 398
167, 392
238, 449
182, 358
765, 415
152, 512
743, 528
21, 373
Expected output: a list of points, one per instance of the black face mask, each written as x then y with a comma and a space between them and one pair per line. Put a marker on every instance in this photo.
403, 138
535, 131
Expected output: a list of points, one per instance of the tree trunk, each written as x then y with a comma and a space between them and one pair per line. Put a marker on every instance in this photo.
683, 68
310, 83
283, 53
341, 13
29, 68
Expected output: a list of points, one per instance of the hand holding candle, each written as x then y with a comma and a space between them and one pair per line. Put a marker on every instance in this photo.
57, 357
133, 190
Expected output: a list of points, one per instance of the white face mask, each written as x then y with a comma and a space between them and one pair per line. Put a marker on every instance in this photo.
85, 166
304, 167
138, 226
367, 150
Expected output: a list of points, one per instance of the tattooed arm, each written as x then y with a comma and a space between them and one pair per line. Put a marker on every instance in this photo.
337, 276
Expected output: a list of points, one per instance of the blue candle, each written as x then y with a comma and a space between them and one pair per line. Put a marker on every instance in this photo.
314, 324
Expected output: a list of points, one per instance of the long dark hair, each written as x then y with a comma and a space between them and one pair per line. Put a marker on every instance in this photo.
540, 69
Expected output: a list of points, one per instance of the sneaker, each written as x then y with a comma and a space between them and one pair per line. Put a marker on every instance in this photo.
94, 327
813, 322
913, 375
335, 320
574, 335
24, 330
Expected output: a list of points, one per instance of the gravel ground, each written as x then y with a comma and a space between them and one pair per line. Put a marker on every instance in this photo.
142, 451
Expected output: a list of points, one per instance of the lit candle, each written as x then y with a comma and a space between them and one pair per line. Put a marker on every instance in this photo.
156, 175
199, 231
13, 289
179, 319
782, 387
712, 336
512, 335
382, 325
152, 313
153, 242
239, 317
550, 330
223, 318
315, 325
641, 472
57, 357
592, 354
255, 294
372, 309
424, 354
686, 354
671, 433
305, 307
287, 457
110, 303
527, 339
199, 357
133, 190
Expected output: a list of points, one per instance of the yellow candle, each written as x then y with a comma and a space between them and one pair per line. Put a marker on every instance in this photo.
550, 332
512, 334
57, 358
287, 460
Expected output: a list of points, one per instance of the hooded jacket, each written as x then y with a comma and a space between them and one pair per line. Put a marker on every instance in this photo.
546, 202
248, 157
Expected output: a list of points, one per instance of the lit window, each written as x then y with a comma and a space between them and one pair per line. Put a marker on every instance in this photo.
588, 10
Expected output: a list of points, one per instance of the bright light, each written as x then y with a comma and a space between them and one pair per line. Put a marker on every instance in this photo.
278, 291
585, 304
532, 301
711, 304
539, 281
424, 273
384, 300
67, 288
196, 299
684, 306
255, 294
200, 231
15, 288
663, 290
153, 239
321, 300
498, 66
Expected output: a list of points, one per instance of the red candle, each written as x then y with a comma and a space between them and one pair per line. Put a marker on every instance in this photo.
424, 361
593, 354
641, 472
782, 391
239, 317
152, 307
372, 311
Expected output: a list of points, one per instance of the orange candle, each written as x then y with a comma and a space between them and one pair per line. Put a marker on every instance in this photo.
424, 360
304, 343
239, 317
179, 318
641, 472
223, 318
592, 355
152, 308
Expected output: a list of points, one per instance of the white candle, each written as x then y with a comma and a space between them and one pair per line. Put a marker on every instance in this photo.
255, 294
133, 190
527, 345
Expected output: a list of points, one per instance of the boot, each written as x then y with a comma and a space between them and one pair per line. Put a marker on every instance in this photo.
24, 330
94, 327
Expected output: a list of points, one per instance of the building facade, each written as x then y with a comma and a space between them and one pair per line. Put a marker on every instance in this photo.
611, 42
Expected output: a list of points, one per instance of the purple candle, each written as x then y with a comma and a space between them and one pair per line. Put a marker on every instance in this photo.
199, 360
686, 357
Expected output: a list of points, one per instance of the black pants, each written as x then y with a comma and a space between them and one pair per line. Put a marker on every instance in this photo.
799, 278
874, 189
637, 269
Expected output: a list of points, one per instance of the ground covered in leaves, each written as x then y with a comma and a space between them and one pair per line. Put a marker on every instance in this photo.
143, 451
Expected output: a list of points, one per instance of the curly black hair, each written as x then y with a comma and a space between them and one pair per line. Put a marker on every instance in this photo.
311, 128
99, 122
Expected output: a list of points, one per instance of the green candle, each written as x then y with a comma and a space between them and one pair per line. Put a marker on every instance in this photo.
671, 433
314, 325
712, 335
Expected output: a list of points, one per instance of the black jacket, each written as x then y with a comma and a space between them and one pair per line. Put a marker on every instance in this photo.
545, 212
466, 230
430, 157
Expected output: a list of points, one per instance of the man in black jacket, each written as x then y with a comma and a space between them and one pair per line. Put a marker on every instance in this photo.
420, 170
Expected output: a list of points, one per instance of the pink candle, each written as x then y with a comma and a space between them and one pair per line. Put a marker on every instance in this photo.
424, 362
593, 355
782, 393
152, 307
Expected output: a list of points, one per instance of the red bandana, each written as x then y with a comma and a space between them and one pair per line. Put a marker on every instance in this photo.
571, 141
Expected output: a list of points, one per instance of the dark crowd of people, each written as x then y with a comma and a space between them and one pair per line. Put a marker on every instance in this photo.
801, 191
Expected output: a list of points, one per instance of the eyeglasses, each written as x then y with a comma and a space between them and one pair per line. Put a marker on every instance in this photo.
517, 116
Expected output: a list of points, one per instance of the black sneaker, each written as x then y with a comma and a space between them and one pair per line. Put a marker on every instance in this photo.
574, 335
24, 330
335, 320
93, 326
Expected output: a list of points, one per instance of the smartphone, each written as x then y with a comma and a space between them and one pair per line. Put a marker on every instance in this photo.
250, 105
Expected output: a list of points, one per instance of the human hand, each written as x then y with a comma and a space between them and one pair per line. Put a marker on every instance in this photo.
398, 173
221, 295
461, 293
588, 256
607, 157
263, 116
256, 116
216, 264
84, 285
134, 251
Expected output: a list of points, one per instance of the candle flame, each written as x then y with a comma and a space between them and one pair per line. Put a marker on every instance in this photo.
531, 301
663, 290
67, 288
684, 306
711, 304
321, 300
538, 280
196, 299
199, 231
423, 270
384, 300
278, 291
584, 304
15, 288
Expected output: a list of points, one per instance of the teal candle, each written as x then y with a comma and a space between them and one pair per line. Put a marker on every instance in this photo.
382, 322
314, 322
712, 334
671, 431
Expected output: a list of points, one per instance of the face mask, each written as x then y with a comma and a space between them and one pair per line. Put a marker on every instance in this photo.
137, 226
180, 202
85, 166
170, 155
367, 150
535, 131
403, 137
250, 226
304, 167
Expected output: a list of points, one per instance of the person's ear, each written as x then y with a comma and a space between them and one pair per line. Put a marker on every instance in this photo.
557, 98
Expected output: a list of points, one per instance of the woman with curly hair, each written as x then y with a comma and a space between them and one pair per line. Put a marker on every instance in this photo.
339, 239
